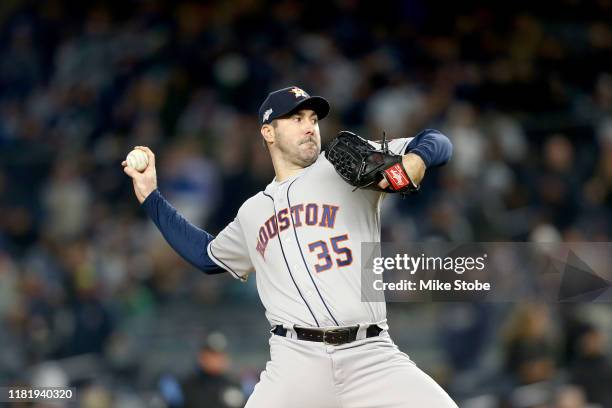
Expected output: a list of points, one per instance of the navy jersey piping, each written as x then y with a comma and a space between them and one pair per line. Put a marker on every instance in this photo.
304, 259
287, 263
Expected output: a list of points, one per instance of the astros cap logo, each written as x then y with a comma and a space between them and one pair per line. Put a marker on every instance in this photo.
298, 92
284, 101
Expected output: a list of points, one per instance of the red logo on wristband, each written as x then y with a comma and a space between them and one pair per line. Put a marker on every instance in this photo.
397, 177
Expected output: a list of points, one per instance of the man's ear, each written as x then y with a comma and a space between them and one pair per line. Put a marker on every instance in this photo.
267, 131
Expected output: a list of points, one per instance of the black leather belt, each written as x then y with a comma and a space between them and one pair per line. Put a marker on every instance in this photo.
334, 336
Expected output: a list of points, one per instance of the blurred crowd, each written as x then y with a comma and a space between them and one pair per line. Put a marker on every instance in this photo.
91, 296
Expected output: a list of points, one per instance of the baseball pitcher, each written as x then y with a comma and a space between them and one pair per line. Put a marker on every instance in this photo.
301, 239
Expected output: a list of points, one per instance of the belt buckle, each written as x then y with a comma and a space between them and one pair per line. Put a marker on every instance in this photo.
334, 331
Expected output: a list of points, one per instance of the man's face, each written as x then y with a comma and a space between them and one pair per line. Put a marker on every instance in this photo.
297, 137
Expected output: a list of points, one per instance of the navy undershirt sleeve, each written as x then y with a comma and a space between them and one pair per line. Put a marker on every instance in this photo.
432, 146
186, 239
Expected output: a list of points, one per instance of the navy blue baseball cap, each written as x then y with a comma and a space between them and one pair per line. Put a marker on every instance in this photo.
284, 101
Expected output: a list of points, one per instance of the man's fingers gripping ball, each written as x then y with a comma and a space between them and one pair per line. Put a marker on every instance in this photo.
138, 160
148, 152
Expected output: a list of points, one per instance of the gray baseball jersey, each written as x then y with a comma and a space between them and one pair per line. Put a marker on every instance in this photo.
303, 238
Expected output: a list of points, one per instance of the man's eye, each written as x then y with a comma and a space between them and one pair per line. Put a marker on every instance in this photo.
297, 118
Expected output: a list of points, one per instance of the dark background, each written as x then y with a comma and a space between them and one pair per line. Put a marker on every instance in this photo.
91, 296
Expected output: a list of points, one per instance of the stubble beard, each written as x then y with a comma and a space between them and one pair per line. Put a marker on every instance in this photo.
299, 156
309, 156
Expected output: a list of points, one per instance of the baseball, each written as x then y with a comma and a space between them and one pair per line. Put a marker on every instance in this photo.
137, 159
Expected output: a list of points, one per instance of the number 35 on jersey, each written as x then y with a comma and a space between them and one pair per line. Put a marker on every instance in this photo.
312, 215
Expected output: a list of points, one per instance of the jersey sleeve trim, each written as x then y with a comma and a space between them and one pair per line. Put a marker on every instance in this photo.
432, 146
222, 264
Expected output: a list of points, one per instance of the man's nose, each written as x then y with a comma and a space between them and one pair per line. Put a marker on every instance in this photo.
309, 128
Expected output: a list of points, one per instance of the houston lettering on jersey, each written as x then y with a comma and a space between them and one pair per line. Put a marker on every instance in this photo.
311, 214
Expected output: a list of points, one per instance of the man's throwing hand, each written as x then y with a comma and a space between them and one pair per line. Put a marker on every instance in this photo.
145, 182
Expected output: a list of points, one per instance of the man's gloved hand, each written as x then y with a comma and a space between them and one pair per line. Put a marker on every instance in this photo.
364, 166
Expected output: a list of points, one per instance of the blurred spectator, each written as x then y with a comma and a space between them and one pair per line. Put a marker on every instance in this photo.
20, 66
67, 199
592, 369
191, 182
530, 349
49, 375
10, 296
559, 181
570, 397
470, 147
96, 396
209, 385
